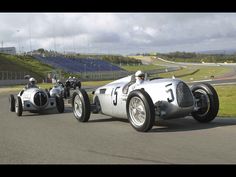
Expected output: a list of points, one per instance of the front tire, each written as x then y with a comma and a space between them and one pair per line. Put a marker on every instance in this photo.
81, 105
140, 110
208, 102
60, 104
18, 106
97, 104
12, 103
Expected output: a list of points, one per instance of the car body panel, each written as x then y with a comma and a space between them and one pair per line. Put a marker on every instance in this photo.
28, 100
163, 93
57, 90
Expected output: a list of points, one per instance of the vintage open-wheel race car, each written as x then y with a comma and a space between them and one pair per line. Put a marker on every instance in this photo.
35, 100
157, 98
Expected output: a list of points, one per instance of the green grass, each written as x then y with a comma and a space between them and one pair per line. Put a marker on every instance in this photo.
203, 73
24, 64
142, 67
95, 83
227, 97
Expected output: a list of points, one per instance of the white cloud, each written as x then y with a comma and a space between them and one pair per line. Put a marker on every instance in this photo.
127, 32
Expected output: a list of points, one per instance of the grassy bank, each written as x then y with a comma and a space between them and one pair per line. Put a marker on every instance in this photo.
227, 97
202, 73
25, 64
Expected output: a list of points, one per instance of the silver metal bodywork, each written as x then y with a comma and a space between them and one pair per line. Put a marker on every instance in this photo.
172, 98
57, 90
30, 96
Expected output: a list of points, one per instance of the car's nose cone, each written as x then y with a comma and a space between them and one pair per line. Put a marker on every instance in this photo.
40, 99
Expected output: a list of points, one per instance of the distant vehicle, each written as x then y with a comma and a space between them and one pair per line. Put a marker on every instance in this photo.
73, 83
35, 100
60, 89
160, 98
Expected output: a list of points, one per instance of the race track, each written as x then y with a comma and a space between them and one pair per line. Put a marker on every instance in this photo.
53, 138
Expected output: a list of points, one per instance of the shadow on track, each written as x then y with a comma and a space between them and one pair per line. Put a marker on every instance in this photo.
109, 119
45, 112
176, 125
189, 124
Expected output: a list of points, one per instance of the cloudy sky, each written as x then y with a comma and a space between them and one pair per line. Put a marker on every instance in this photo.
122, 33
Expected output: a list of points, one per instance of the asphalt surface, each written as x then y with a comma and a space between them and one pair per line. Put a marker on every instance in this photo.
53, 138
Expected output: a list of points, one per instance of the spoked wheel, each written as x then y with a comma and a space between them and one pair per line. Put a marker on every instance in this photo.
81, 105
140, 110
137, 111
207, 102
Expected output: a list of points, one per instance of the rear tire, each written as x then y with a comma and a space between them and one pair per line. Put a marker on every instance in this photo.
97, 104
140, 110
18, 106
81, 105
12, 103
60, 104
208, 102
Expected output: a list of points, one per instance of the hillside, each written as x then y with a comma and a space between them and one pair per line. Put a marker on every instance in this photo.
24, 64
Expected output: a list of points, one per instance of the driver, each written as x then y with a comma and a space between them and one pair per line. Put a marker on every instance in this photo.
139, 76
31, 84
60, 83
139, 79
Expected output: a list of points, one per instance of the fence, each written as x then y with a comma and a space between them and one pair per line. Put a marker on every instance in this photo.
11, 75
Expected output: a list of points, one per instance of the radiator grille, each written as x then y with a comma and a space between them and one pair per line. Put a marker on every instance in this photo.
184, 96
40, 99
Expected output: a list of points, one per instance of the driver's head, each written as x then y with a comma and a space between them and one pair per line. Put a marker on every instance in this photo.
140, 75
32, 81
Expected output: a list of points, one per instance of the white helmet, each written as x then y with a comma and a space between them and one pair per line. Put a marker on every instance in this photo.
32, 80
73, 77
139, 73
58, 80
70, 77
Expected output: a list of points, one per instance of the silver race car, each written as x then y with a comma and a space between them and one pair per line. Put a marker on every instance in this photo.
59, 89
157, 98
35, 100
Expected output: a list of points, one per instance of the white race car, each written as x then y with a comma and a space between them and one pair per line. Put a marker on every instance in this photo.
160, 98
35, 100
